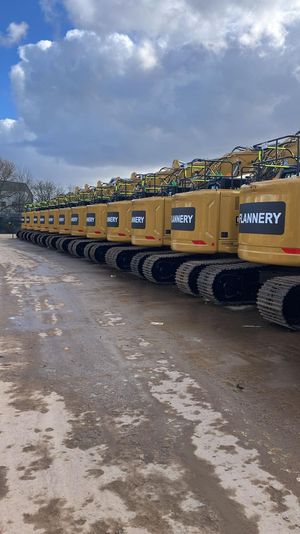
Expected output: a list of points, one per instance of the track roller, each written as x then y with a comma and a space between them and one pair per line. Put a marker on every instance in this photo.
278, 301
187, 274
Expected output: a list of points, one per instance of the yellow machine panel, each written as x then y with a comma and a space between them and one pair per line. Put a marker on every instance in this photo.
205, 221
23, 220
29, 220
41, 221
78, 221
44, 225
96, 215
269, 224
64, 221
53, 215
151, 221
36, 224
119, 221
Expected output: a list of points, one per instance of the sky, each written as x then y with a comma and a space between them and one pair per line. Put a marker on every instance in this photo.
91, 89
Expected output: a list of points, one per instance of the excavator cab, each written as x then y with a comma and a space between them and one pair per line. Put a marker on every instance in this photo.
25, 223
148, 220
78, 212
151, 216
205, 220
64, 217
114, 217
269, 230
96, 213
269, 239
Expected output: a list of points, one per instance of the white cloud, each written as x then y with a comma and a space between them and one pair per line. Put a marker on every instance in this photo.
14, 33
211, 24
14, 131
135, 85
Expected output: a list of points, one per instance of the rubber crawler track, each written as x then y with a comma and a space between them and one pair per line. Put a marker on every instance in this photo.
230, 284
137, 262
120, 257
187, 274
278, 301
97, 252
161, 268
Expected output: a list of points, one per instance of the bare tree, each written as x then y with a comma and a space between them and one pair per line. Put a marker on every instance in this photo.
14, 197
23, 196
7, 170
45, 190
7, 174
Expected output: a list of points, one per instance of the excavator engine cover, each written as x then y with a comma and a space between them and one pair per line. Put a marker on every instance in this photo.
205, 222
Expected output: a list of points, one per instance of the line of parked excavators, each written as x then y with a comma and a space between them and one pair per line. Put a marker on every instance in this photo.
226, 230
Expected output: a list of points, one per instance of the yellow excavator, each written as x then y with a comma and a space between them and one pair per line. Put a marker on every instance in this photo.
144, 227
81, 218
269, 239
27, 223
118, 210
204, 219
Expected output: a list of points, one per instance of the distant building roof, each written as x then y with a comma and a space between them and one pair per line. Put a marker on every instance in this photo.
14, 187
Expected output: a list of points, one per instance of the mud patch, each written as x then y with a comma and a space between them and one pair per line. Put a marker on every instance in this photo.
3, 481
239, 470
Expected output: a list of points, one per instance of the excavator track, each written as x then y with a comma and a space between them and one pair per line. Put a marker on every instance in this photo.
43, 239
87, 250
51, 241
137, 262
97, 252
161, 268
27, 235
120, 257
231, 284
278, 301
33, 237
78, 246
63, 242
38, 240
187, 274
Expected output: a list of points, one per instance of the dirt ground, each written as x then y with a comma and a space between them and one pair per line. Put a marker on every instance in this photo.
128, 408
